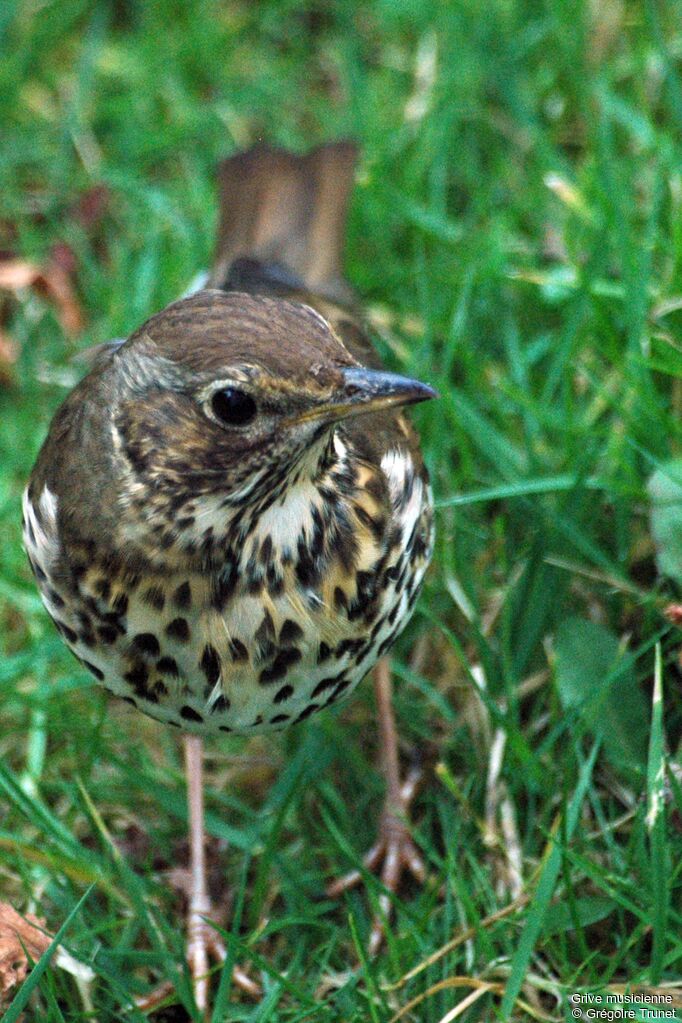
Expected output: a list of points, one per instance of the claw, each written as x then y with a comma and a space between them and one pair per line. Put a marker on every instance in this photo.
204, 943
394, 847
396, 852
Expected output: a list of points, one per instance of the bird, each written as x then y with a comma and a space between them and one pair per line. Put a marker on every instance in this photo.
230, 518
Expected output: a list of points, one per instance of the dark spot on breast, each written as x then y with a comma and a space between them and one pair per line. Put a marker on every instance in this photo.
283, 694
224, 728
168, 666
317, 543
107, 634
113, 622
55, 598
220, 705
340, 599
39, 574
94, 669
278, 718
325, 683
375, 526
160, 688
66, 632
348, 646
120, 604
182, 598
306, 571
178, 629
224, 586
103, 588
324, 653
186, 522
137, 675
190, 714
238, 651
280, 666
310, 709
266, 630
88, 638
390, 639
375, 487
154, 597
376, 628
342, 685
210, 663
147, 643
364, 596
265, 554
290, 632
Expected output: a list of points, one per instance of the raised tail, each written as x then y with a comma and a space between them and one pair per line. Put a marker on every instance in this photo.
283, 219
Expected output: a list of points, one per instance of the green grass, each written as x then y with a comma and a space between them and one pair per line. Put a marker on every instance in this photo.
516, 232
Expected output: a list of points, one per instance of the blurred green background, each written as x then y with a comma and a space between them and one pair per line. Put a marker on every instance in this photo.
516, 235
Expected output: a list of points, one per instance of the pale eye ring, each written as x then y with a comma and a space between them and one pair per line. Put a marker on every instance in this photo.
233, 407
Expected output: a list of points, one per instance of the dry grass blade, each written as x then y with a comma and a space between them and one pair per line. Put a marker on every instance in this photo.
465, 935
481, 987
462, 1006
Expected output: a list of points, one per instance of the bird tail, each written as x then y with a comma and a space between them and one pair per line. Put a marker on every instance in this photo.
283, 219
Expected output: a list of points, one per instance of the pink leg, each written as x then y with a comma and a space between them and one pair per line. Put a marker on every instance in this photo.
394, 846
203, 941
199, 903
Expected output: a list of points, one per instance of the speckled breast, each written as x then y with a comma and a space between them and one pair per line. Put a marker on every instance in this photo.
317, 590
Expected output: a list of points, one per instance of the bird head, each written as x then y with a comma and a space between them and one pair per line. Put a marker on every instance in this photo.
206, 414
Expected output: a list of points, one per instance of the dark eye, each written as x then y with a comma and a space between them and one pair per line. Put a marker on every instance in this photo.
233, 407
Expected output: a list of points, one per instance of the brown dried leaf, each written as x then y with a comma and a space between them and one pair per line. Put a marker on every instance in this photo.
18, 935
9, 353
92, 206
17, 273
57, 283
52, 280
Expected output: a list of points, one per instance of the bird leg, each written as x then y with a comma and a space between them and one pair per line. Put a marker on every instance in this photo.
202, 939
394, 846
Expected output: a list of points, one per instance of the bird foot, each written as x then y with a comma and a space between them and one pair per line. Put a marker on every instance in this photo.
395, 851
204, 943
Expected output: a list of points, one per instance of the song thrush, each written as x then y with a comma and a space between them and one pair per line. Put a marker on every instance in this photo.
230, 519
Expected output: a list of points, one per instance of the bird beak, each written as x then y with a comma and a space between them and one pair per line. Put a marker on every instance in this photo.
369, 390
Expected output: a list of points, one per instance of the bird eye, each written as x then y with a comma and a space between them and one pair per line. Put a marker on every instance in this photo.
235, 408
